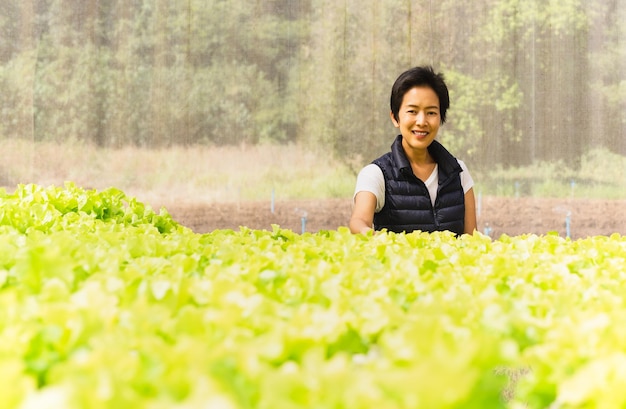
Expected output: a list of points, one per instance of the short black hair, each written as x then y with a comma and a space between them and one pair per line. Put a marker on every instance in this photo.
416, 77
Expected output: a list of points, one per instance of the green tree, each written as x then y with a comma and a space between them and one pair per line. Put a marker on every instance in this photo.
529, 80
534, 81
607, 55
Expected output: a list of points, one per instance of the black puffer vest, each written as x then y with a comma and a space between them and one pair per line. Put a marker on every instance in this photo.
407, 202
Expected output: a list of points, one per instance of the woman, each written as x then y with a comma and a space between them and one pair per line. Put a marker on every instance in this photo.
418, 185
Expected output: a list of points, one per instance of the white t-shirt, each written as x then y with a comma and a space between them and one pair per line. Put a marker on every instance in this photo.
371, 179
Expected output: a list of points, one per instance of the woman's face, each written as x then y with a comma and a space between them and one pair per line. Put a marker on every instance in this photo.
418, 118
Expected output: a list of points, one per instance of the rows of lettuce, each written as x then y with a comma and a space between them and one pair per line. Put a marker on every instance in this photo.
108, 304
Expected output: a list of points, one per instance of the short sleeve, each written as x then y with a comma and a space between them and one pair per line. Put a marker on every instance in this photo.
371, 179
466, 179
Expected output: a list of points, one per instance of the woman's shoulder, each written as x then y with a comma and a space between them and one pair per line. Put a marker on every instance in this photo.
463, 165
372, 170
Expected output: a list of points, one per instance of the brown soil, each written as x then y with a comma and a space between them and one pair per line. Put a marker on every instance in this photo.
511, 216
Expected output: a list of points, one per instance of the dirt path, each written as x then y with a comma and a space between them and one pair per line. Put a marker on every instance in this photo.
512, 216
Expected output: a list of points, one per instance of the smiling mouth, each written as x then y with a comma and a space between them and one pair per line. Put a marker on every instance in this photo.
420, 134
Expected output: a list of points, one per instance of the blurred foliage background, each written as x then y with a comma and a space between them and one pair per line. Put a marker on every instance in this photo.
530, 80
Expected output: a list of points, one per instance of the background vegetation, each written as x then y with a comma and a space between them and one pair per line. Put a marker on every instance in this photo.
206, 174
531, 81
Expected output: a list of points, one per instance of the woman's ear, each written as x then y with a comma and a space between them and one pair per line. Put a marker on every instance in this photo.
393, 119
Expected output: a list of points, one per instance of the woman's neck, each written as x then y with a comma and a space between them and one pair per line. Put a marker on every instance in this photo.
419, 157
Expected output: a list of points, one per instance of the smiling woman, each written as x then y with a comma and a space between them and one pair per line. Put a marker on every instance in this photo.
418, 120
419, 185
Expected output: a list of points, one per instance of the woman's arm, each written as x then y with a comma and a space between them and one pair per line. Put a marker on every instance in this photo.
362, 219
470, 212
